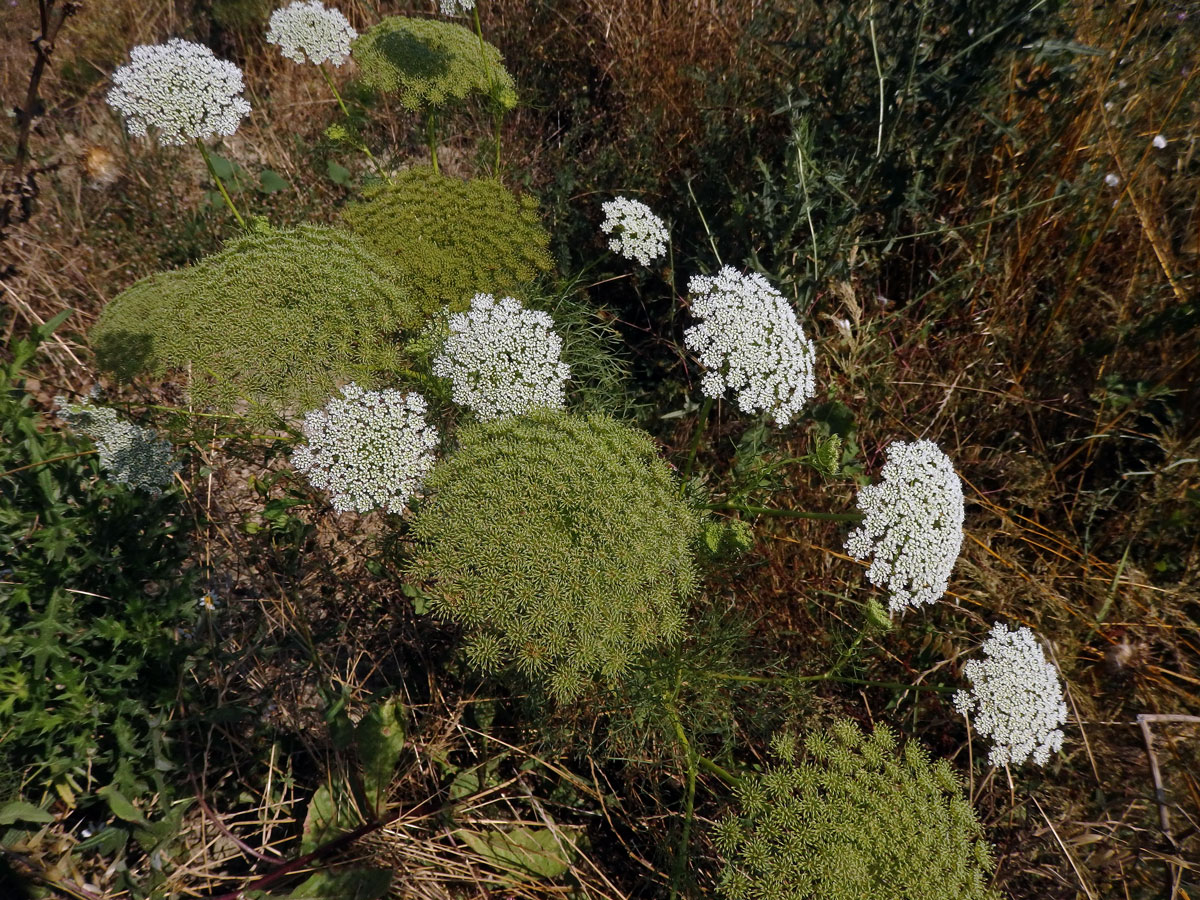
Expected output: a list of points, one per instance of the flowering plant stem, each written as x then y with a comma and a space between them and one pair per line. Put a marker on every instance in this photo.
496, 113
787, 513
705, 409
842, 679
345, 112
220, 184
689, 803
431, 138
42, 462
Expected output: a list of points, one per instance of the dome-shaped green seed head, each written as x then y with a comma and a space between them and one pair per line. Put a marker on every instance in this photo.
851, 817
427, 62
452, 238
277, 319
560, 544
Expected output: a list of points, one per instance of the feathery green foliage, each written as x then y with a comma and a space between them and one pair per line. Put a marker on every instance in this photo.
92, 590
560, 543
428, 62
452, 238
277, 318
851, 817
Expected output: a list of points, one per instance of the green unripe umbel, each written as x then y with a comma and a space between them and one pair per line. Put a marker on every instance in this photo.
427, 62
851, 817
277, 319
560, 544
452, 238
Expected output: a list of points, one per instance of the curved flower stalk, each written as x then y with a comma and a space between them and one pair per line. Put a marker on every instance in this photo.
368, 449
182, 91
749, 341
1016, 698
503, 359
913, 525
635, 231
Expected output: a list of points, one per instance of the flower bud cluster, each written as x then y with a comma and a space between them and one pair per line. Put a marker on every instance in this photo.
503, 359
129, 453
368, 449
637, 233
308, 32
749, 341
1016, 698
181, 89
913, 526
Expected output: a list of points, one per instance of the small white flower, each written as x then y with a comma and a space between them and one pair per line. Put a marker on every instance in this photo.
1016, 698
456, 7
1112, 179
368, 449
307, 31
1159, 141
503, 359
637, 233
208, 602
181, 89
129, 453
913, 524
749, 341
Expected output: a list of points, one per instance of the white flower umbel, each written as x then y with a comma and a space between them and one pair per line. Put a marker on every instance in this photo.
180, 89
368, 449
307, 31
749, 341
456, 7
503, 359
1016, 698
913, 526
129, 453
637, 233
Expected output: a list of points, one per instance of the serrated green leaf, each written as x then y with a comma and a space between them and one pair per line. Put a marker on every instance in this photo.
532, 852
271, 181
120, 806
352, 884
222, 166
20, 811
380, 737
339, 174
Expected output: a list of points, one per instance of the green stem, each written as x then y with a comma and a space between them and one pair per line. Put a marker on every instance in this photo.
220, 184
43, 462
345, 112
787, 513
842, 679
431, 138
689, 803
705, 409
720, 771
497, 115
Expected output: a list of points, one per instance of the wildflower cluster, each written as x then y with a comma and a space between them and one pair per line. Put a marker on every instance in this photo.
428, 63
131, 454
307, 31
368, 449
849, 816
503, 359
181, 90
913, 526
749, 341
560, 543
456, 7
1016, 698
637, 233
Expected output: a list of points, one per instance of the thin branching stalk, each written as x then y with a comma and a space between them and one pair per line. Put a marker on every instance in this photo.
786, 513
705, 409
220, 184
345, 112
431, 138
497, 115
828, 676
42, 462
689, 804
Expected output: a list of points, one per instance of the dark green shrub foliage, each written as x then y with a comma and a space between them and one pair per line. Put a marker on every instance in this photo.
452, 238
560, 544
427, 62
277, 319
93, 591
853, 817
